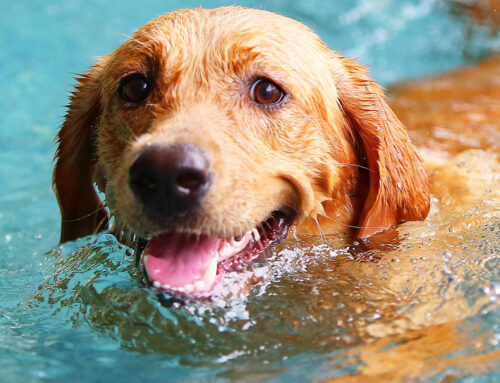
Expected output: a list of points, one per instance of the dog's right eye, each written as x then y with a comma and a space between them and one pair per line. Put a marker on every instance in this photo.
266, 92
134, 88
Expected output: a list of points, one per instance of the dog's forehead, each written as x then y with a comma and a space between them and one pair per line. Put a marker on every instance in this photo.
230, 33
234, 23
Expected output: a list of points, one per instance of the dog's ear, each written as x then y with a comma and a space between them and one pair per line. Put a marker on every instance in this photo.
73, 178
399, 187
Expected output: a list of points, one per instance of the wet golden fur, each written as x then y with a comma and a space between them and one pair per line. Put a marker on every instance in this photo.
311, 154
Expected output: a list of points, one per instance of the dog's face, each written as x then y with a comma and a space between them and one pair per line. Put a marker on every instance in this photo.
211, 132
208, 89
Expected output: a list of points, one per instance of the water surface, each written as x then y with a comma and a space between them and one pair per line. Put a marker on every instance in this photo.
321, 308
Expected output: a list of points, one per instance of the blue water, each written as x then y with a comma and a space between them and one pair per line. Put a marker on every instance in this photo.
79, 312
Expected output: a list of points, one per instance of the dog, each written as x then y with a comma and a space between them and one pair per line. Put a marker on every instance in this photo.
212, 132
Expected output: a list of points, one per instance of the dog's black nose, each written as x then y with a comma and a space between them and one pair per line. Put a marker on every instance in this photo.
170, 179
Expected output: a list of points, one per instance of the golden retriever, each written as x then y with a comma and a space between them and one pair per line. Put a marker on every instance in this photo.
213, 131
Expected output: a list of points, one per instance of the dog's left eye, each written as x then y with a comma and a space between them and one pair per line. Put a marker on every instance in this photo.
266, 92
134, 88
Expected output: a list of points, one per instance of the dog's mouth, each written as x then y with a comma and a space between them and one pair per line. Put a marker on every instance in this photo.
193, 265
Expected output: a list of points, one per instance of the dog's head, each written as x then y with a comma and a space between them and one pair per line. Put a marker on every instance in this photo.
211, 132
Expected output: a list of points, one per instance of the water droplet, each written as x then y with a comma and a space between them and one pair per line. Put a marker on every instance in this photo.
492, 291
446, 255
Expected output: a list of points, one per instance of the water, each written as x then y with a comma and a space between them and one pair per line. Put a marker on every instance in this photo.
323, 308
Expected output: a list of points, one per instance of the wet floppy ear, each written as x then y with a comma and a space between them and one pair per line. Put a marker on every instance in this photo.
73, 178
399, 187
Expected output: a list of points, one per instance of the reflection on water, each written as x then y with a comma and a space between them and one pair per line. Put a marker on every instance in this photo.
425, 292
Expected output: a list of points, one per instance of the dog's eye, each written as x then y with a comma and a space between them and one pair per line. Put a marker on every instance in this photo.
134, 88
266, 92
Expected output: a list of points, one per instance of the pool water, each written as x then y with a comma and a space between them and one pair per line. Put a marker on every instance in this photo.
321, 308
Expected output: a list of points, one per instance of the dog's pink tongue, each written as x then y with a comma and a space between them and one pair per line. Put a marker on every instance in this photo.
177, 261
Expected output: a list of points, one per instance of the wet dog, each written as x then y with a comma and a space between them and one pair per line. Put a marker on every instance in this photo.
212, 132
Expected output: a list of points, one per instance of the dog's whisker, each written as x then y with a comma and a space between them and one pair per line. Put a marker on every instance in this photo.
352, 226
262, 233
267, 224
132, 38
322, 233
85, 216
100, 224
356, 166
131, 132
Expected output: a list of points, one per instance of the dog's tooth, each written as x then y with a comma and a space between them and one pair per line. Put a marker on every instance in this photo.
233, 246
166, 287
199, 285
226, 249
157, 284
189, 288
255, 235
210, 272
